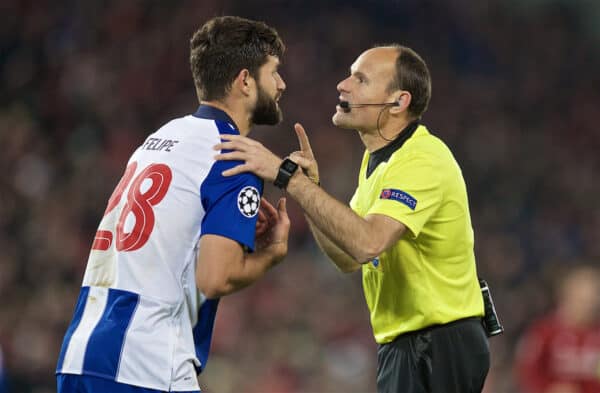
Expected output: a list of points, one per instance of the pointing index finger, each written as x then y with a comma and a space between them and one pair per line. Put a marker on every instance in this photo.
303, 139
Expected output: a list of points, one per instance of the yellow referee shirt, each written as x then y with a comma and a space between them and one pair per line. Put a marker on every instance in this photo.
429, 276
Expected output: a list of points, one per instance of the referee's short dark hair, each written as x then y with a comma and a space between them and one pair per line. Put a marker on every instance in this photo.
224, 46
413, 76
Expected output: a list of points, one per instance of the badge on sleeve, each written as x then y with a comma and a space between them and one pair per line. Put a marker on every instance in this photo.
248, 201
400, 196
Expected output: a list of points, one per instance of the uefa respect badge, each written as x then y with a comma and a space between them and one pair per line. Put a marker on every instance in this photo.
400, 196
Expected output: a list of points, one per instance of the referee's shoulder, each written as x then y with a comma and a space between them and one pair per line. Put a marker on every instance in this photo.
428, 147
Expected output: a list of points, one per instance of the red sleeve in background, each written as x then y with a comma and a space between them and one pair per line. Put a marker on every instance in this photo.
531, 359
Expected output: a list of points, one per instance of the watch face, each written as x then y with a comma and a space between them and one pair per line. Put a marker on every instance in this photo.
289, 166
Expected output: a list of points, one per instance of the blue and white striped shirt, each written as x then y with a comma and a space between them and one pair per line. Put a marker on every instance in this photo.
140, 319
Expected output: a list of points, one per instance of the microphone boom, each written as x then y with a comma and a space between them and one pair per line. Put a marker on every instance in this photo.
347, 107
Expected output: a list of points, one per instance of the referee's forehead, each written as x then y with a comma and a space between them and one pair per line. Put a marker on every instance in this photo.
377, 62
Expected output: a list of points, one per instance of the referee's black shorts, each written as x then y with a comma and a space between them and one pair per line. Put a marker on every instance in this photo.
450, 358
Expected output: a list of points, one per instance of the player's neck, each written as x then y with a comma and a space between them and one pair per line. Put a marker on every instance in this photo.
238, 115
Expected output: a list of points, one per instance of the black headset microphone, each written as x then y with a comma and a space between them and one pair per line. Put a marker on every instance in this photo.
347, 107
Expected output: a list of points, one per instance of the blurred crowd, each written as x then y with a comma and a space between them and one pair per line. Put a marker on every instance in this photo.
515, 96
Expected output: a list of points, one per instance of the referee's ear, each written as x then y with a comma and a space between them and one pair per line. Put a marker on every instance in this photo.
403, 102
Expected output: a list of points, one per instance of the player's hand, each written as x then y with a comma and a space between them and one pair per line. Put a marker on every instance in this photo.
305, 157
257, 158
274, 239
262, 223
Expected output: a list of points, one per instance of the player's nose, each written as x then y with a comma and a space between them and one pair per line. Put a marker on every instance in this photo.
281, 86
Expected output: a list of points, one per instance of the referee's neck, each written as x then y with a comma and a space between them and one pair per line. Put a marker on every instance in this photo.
375, 139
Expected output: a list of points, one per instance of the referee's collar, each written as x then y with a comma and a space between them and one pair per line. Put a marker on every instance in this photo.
210, 112
384, 154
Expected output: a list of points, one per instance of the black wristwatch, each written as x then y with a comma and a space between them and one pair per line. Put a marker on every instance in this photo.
286, 171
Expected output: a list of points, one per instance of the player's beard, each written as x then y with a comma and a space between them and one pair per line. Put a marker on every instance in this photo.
266, 111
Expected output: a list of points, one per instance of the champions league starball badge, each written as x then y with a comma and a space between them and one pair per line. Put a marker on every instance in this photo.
248, 201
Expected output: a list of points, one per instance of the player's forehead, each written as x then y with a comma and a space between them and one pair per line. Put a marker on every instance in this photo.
377, 62
272, 62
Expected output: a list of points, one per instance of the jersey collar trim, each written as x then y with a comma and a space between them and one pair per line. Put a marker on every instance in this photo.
212, 113
384, 154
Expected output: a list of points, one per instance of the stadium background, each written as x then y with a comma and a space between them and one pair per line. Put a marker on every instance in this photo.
515, 95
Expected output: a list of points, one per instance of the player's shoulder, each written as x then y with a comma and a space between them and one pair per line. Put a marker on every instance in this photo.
189, 126
185, 133
185, 142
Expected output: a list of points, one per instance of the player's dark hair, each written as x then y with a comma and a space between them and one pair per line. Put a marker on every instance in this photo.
223, 47
413, 76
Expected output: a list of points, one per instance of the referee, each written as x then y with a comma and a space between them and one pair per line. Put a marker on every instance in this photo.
408, 226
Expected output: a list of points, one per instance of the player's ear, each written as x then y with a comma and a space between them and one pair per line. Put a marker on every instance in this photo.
244, 82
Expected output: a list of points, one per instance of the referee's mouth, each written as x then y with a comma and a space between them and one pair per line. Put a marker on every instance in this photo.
343, 106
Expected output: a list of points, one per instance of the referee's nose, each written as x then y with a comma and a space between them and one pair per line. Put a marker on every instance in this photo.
342, 86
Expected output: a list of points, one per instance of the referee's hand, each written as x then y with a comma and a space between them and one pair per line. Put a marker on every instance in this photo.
305, 156
256, 157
